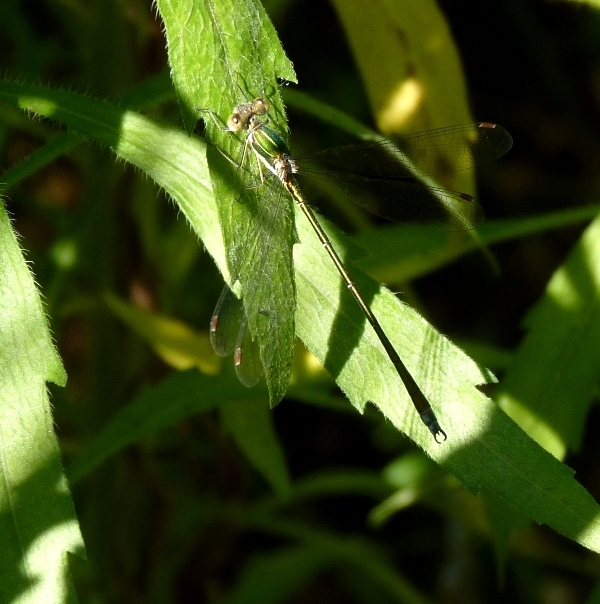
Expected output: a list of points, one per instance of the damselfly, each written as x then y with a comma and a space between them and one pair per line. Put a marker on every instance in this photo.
371, 174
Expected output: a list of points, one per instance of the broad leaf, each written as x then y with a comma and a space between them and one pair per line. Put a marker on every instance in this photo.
224, 53
485, 448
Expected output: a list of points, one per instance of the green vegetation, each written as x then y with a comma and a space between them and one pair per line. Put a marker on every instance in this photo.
187, 486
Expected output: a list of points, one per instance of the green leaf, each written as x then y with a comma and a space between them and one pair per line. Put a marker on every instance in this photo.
594, 597
246, 418
37, 520
593, 3
485, 448
186, 393
402, 253
155, 89
358, 556
504, 520
412, 475
61, 144
329, 115
410, 68
408, 61
172, 159
554, 375
224, 53
175, 342
251, 425
220, 51
274, 578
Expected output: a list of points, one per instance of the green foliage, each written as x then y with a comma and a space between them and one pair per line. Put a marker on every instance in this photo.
244, 58
220, 54
554, 375
37, 520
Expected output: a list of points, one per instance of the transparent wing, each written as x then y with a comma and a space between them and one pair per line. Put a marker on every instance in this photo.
225, 323
441, 150
229, 334
390, 179
247, 357
408, 199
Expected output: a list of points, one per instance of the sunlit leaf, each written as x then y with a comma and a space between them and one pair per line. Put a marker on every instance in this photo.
554, 376
38, 526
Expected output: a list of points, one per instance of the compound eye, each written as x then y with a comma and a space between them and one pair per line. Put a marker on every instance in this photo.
261, 106
234, 123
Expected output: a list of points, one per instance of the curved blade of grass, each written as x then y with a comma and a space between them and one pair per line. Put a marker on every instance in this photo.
172, 159
401, 253
275, 577
245, 415
250, 423
485, 448
355, 555
151, 91
408, 61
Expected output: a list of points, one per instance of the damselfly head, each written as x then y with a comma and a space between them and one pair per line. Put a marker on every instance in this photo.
244, 114
260, 106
